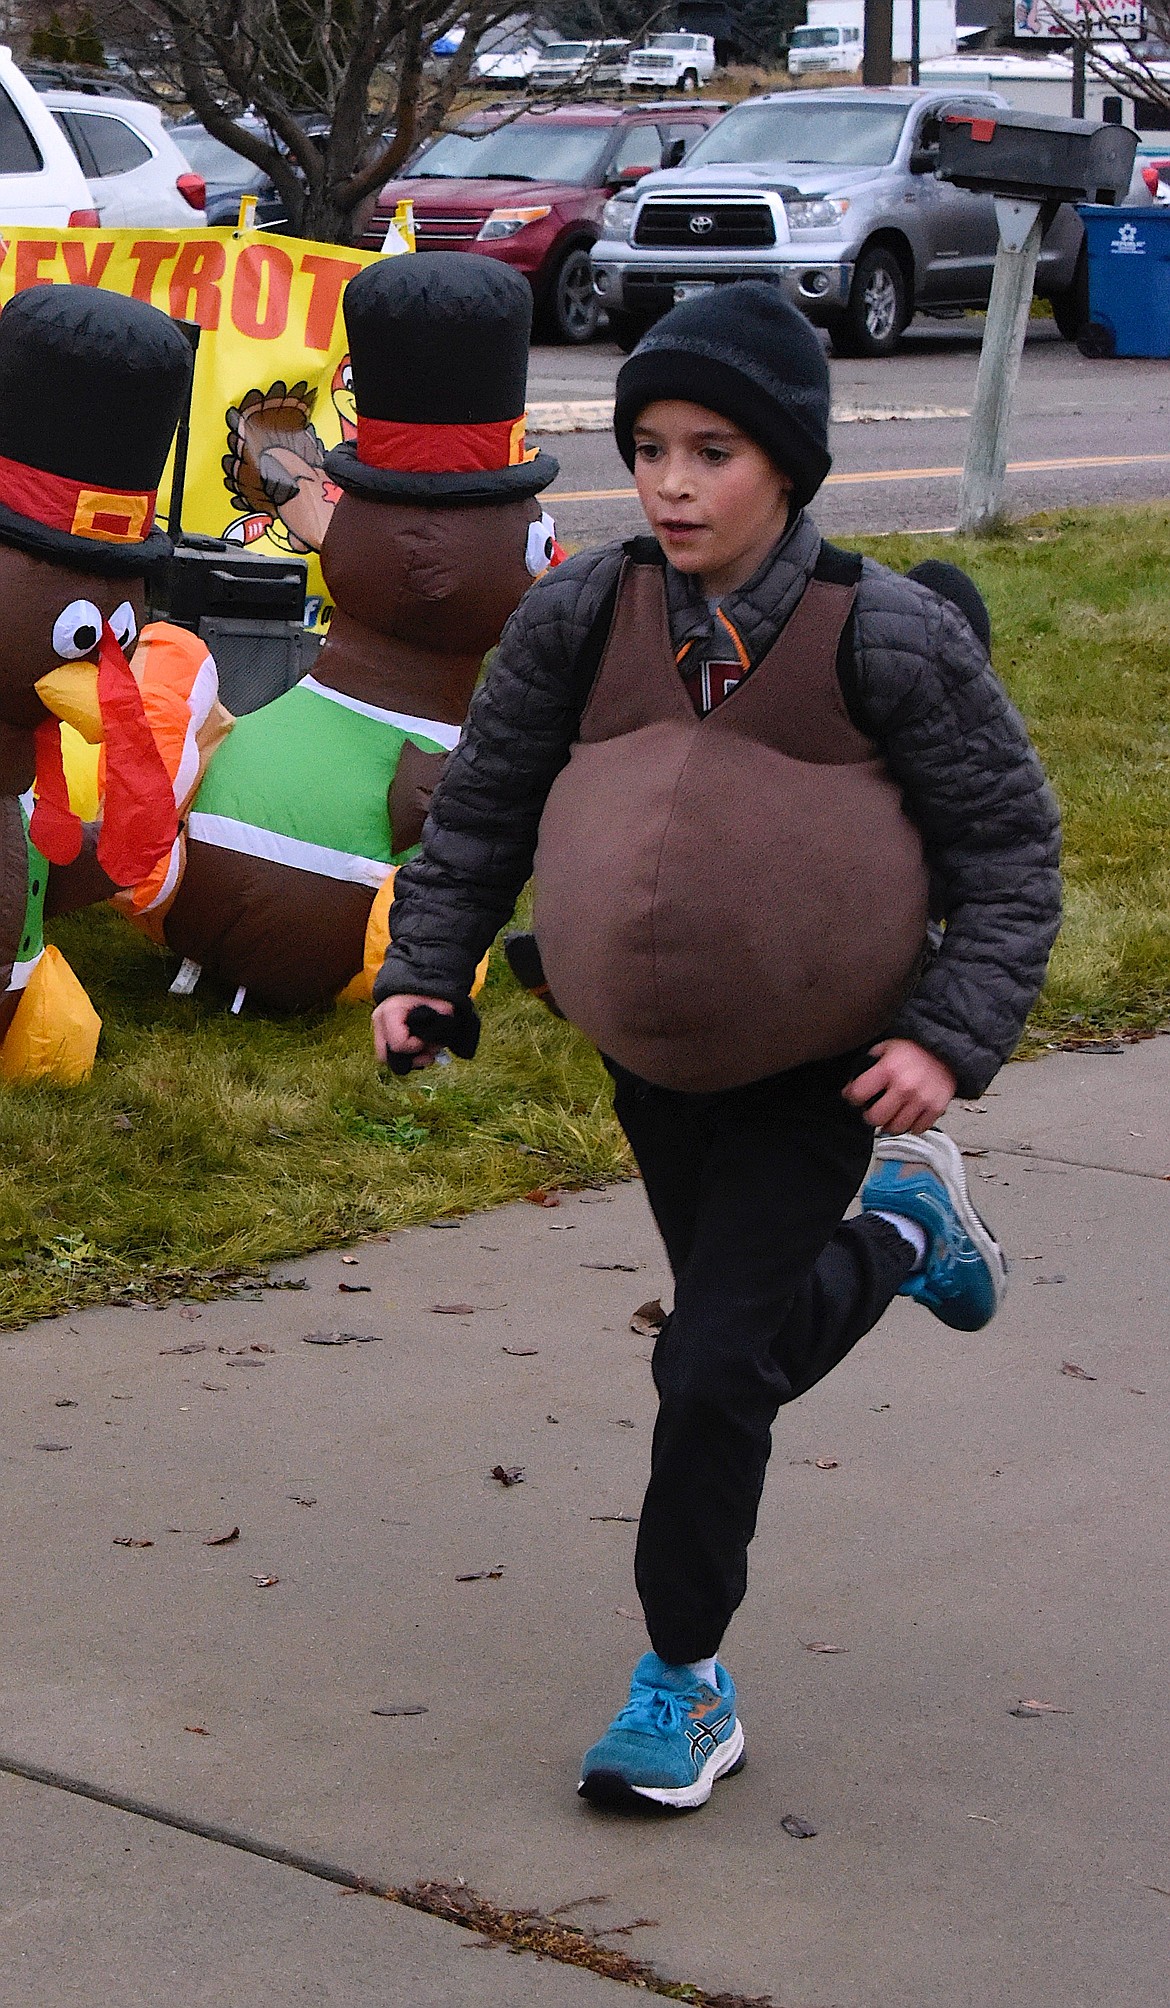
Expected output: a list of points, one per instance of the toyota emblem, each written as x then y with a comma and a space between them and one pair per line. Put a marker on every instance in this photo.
701, 224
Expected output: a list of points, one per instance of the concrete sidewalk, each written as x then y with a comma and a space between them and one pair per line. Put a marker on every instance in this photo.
985, 1527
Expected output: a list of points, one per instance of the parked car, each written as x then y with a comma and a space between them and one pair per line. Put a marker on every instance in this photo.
229, 176
593, 63
136, 173
530, 190
832, 195
671, 62
40, 180
505, 68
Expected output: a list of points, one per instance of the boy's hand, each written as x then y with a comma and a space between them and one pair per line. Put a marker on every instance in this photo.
906, 1090
391, 1034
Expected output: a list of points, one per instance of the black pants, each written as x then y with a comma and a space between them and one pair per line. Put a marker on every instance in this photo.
749, 1188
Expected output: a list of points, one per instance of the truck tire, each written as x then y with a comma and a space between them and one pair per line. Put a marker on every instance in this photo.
878, 311
571, 308
689, 81
627, 330
1070, 308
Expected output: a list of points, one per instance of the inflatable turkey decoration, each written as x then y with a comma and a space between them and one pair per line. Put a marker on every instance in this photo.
309, 804
91, 389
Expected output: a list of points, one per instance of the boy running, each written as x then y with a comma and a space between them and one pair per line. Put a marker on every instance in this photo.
796, 874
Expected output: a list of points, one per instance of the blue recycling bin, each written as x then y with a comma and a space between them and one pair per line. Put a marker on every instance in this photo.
1129, 280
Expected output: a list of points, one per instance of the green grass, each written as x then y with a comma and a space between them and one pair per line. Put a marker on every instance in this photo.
206, 1146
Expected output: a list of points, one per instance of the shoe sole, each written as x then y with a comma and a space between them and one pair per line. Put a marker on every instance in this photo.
941, 1154
609, 1788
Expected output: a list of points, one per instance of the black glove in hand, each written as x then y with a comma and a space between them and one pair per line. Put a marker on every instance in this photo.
458, 1030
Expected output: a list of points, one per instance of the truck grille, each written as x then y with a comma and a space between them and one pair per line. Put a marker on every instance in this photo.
714, 226
652, 62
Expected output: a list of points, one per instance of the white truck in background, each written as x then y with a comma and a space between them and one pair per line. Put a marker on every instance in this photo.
834, 35
671, 62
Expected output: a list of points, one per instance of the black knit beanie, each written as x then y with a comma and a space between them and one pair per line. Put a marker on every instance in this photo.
742, 351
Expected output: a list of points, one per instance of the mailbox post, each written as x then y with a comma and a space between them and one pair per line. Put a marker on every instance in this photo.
1031, 163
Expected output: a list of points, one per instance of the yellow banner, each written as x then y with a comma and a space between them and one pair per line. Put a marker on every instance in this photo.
272, 386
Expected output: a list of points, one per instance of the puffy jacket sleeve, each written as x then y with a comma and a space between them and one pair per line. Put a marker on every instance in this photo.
480, 835
991, 829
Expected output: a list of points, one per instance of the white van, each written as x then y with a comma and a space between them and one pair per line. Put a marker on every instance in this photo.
40, 180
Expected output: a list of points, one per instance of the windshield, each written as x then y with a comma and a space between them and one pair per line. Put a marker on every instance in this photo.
835, 134
534, 150
218, 165
815, 38
567, 52
671, 42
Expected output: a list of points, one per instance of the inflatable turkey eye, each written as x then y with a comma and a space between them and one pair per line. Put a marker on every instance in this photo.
539, 551
77, 630
124, 626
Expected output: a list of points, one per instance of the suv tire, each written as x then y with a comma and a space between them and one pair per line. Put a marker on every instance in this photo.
689, 81
627, 330
878, 311
572, 309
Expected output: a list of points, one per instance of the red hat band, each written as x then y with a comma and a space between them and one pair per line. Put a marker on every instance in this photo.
394, 446
111, 515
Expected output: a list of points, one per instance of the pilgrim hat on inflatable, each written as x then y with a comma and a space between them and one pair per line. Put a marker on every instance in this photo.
92, 385
438, 346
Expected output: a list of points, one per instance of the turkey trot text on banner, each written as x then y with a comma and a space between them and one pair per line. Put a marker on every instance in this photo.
272, 382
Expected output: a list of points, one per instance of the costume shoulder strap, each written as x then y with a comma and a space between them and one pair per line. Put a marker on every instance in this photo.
637, 551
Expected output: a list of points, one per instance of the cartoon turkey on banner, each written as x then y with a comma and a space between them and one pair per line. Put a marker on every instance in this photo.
284, 882
91, 388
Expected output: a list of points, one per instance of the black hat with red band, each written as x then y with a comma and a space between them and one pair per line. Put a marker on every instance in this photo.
92, 385
438, 344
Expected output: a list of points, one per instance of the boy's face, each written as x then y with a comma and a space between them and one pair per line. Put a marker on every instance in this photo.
712, 497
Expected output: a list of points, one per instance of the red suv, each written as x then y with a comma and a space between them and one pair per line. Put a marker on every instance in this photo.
530, 190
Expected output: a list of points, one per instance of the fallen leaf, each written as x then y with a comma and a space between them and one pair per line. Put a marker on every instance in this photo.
52, 1446
520, 1352
648, 1319
193, 1729
355, 1289
507, 1474
189, 1312
970, 1152
1046, 1279
627, 1519
552, 1418
122, 1122
827, 1463
351, 1261
540, 1196
482, 1575
819, 1645
222, 1540
403, 1708
1091, 1045
452, 1310
265, 1582
625, 1422
629, 1268
1027, 1709
302, 1498
128, 1541
342, 1339
258, 1346
63, 1401
192, 1346
801, 1830
1075, 1372
214, 1387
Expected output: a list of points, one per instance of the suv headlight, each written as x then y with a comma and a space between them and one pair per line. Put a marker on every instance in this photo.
506, 222
815, 212
617, 218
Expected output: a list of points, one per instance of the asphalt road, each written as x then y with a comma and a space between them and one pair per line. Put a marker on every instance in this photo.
1084, 432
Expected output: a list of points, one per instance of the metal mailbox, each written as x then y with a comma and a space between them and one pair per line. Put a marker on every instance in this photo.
1035, 156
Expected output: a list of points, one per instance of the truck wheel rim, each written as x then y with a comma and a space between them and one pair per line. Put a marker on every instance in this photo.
881, 305
578, 307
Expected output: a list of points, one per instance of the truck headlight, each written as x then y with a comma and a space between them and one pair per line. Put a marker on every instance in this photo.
506, 222
617, 218
815, 212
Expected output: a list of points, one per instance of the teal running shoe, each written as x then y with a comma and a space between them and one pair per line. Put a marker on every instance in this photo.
672, 1740
964, 1273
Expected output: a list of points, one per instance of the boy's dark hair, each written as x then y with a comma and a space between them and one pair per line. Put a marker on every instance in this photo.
744, 352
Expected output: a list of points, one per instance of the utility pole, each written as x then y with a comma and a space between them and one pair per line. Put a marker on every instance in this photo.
877, 61
1078, 80
915, 42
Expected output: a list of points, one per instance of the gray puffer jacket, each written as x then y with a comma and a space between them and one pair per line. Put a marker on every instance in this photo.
915, 679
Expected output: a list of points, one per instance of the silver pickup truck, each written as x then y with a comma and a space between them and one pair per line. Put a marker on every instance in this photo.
832, 195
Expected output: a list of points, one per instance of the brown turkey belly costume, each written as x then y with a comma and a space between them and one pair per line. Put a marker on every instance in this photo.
310, 803
91, 387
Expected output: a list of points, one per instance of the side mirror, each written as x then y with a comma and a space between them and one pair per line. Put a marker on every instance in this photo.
673, 151
923, 160
626, 175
